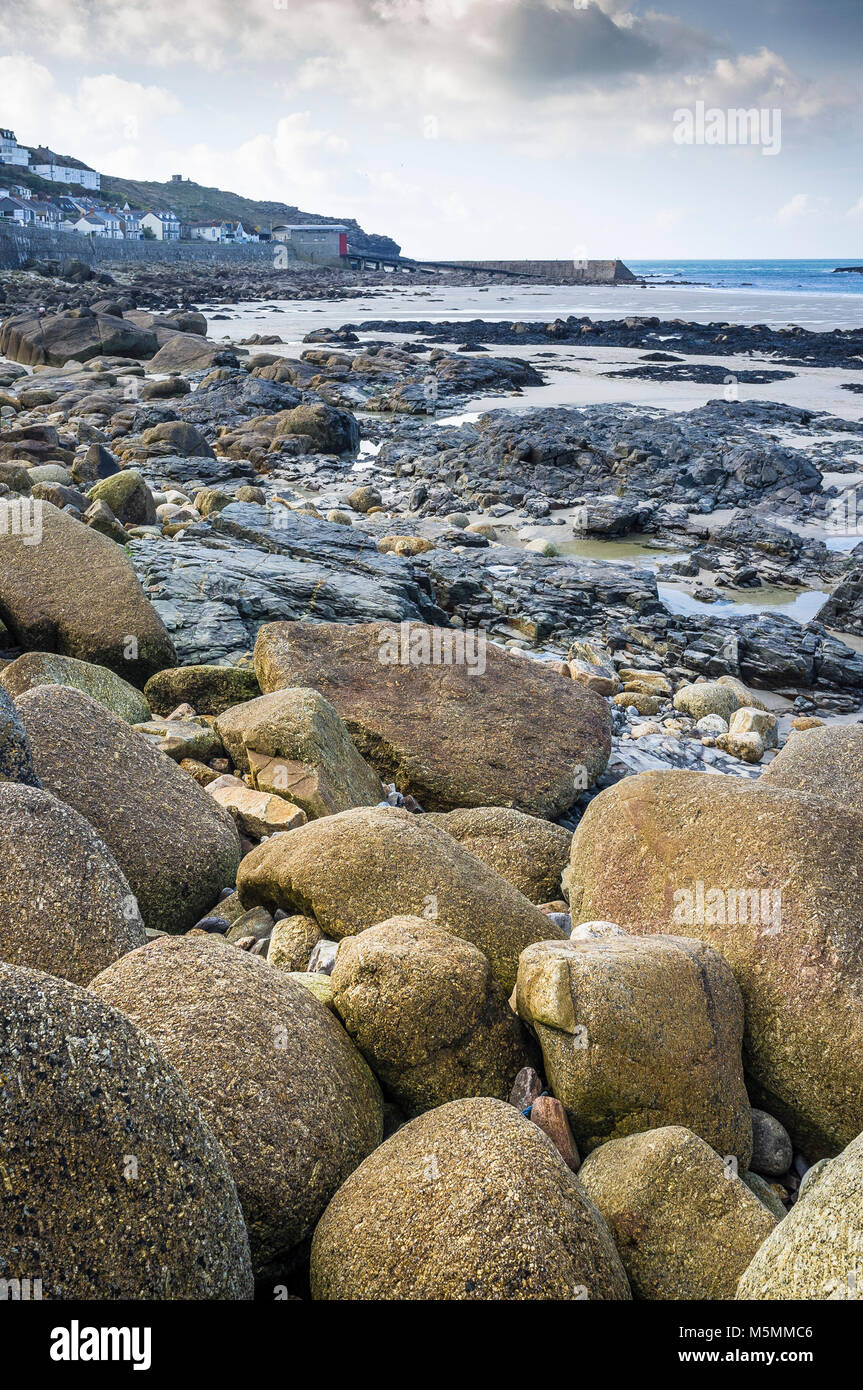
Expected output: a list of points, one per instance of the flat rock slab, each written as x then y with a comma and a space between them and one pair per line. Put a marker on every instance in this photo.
512, 734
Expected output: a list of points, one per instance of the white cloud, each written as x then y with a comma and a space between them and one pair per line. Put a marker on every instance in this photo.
102, 110
802, 205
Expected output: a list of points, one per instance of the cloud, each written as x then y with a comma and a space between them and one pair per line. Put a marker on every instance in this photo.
802, 205
101, 110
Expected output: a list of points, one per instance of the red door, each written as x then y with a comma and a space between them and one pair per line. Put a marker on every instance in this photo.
343, 243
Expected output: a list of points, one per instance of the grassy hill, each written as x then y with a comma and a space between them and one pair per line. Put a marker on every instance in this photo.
194, 203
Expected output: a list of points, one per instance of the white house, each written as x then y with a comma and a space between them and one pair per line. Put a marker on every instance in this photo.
62, 168
207, 231
165, 226
101, 224
10, 151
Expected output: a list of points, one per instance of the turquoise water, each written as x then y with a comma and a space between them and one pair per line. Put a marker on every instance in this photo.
814, 276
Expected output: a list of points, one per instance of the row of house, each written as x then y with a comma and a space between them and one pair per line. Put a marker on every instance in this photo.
68, 214
57, 168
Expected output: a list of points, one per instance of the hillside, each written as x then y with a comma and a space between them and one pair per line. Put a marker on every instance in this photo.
194, 203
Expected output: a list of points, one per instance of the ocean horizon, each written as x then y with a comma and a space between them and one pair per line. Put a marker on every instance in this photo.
807, 276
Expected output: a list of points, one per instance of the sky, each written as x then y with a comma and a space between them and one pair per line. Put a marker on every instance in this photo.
471, 128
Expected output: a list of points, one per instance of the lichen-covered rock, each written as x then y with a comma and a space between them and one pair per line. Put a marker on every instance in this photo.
639, 1033
291, 944
113, 1185
817, 1251
128, 496
65, 905
771, 878
294, 744
16, 759
176, 846
361, 867
707, 697
276, 1077
208, 689
47, 668
824, 761
468, 1201
685, 1224
77, 593
424, 1010
510, 734
528, 852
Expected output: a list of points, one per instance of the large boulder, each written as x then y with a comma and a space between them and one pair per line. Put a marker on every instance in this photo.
685, 1224
293, 743
176, 437
426, 1013
468, 1201
175, 844
189, 352
75, 592
113, 1185
128, 496
208, 689
826, 761
276, 1077
65, 905
491, 730
47, 668
817, 1251
77, 334
769, 877
361, 867
331, 431
528, 852
637, 1034
16, 759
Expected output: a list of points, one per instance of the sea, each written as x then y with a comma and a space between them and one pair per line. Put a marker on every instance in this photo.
802, 277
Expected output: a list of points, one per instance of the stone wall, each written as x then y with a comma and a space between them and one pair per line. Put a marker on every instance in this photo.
21, 244
557, 272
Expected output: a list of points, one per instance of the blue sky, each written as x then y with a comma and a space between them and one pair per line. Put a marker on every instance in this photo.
467, 127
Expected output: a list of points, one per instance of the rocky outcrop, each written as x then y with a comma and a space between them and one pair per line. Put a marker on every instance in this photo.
530, 853
816, 1251
76, 334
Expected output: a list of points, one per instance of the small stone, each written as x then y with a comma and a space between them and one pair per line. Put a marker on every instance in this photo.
772, 1152
525, 1089
550, 1116
292, 943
